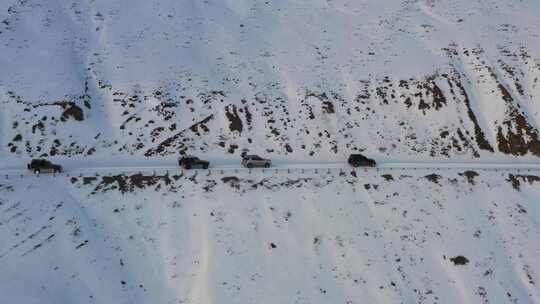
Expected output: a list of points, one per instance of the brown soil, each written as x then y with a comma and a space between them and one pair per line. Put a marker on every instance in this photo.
176, 140
328, 107
478, 133
515, 180
515, 142
233, 181
72, 111
470, 175
128, 183
520, 137
459, 260
235, 123
433, 178
388, 177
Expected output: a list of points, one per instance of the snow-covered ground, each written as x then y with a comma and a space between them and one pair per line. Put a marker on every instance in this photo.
424, 236
443, 94
414, 80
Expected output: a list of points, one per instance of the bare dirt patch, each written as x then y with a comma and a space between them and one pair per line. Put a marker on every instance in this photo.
459, 260
515, 180
433, 178
129, 183
235, 123
470, 175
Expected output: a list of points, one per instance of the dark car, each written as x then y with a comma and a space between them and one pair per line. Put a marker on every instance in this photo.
359, 160
43, 165
193, 162
252, 161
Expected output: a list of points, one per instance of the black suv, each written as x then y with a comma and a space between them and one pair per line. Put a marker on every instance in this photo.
43, 165
359, 160
192, 162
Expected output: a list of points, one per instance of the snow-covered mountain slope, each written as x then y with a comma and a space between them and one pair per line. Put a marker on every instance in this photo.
403, 79
128, 85
394, 236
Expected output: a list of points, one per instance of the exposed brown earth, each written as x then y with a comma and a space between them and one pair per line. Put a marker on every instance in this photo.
516, 179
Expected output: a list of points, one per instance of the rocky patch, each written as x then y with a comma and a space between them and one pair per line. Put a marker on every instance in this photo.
128, 183
516, 179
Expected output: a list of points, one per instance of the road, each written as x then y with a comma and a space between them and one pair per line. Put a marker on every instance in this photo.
76, 167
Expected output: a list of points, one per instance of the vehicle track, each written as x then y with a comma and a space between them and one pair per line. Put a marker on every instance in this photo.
282, 166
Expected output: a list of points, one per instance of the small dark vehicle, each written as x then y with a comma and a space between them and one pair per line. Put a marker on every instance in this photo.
359, 160
192, 162
43, 165
252, 161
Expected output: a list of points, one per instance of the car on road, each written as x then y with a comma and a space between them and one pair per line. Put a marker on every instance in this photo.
193, 162
253, 161
43, 165
359, 160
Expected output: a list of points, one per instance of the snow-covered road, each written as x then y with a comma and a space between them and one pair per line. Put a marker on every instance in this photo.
72, 167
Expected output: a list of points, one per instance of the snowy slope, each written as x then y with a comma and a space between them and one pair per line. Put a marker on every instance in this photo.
410, 80
394, 236
105, 87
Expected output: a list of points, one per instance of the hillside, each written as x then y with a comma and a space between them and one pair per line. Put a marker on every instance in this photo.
402, 80
395, 236
443, 94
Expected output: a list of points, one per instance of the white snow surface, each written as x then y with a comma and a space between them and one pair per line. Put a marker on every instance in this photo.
382, 236
414, 80
443, 94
